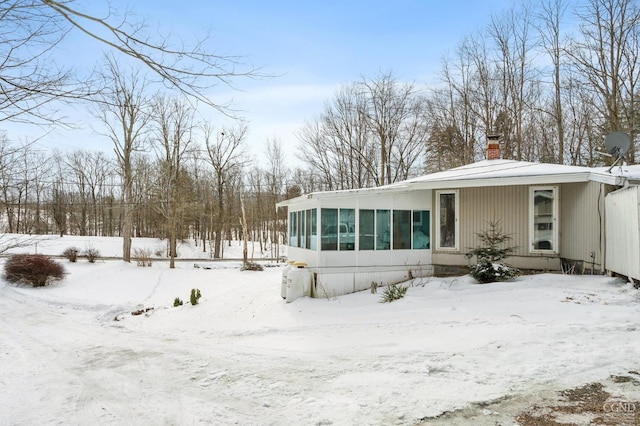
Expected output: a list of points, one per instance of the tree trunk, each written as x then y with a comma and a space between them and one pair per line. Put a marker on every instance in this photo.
244, 231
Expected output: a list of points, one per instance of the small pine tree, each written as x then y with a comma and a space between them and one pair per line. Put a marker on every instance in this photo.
491, 254
393, 292
177, 302
492, 239
195, 296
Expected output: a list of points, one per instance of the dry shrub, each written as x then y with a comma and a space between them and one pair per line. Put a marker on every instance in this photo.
142, 257
35, 269
71, 254
92, 254
251, 266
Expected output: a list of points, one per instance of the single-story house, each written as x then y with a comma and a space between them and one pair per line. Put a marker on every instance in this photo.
555, 214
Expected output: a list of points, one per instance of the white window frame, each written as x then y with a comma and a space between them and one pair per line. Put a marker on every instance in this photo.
456, 194
555, 220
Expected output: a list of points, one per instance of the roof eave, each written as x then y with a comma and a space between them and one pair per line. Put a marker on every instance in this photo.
525, 180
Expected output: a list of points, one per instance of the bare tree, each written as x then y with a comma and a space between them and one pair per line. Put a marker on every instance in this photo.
549, 18
511, 33
31, 168
30, 78
603, 56
226, 156
461, 110
316, 151
275, 176
59, 201
351, 139
373, 133
13, 169
124, 113
174, 134
89, 170
392, 111
40, 176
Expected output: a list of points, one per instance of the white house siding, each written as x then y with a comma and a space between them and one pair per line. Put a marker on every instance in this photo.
623, 232
578, 204
478, 206
582, 224
507, 204
331, 282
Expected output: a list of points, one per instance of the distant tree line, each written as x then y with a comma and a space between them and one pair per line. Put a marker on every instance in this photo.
551, 77
196, 196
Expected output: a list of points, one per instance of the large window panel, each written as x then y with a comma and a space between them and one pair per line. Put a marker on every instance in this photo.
447, 207
543, 219
293, 229
329, 229
366, 237
401, 229
312, 230
347, 229
383, 229
421, 225
303, 229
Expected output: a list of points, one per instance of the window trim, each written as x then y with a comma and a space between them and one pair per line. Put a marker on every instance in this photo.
555, 219
456, 194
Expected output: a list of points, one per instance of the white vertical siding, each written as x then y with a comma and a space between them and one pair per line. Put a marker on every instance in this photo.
332, 282
582, 216
581, 224
623, 232
508, 205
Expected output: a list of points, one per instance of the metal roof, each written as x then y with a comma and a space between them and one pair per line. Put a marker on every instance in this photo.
494, 173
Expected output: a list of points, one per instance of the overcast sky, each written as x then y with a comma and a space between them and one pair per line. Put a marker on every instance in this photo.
312, 46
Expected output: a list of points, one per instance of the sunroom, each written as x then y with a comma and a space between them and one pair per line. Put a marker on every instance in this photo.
353, 239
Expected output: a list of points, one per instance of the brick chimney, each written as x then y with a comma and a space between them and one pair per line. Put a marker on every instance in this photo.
493, 147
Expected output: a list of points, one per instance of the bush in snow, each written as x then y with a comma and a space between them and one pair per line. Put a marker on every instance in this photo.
490, 255
71, 254
393, 292
35, 269
251, 266
91, 254
486, 271
177, 302
195, 296
142, 257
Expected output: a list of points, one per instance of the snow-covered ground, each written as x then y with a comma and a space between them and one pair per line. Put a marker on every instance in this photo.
72, 353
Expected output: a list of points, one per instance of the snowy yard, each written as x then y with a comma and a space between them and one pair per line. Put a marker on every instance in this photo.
72, 353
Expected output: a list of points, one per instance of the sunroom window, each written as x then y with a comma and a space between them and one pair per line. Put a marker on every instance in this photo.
367, 235
401, 229
383, 229
293, 229
421, 225
311, 229
338, 229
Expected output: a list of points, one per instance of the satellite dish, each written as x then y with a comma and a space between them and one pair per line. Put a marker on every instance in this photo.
617, 145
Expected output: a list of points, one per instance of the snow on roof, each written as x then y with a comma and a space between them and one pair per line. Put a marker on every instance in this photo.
510, 172
498, 173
